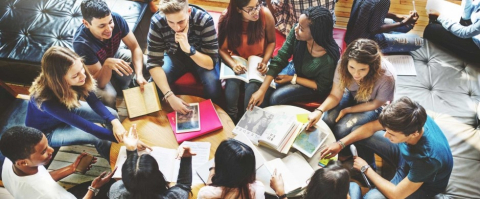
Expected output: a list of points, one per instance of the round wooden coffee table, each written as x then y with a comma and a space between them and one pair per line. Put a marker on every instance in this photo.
154, 129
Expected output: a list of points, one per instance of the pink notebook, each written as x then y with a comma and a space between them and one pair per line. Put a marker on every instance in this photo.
209, 121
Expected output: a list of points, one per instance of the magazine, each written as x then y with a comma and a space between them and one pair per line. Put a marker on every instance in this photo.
190, 121
309, 141
251, 74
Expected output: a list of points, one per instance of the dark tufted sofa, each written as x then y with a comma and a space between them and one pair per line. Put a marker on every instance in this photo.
29, 27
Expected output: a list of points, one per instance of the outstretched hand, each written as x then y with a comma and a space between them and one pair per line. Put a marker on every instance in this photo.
102, 179
330, 151
276, 183
185, 151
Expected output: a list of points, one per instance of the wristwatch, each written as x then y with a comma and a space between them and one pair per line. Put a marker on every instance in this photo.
364, 168
294, 79
95, 191
282, 196
192, 51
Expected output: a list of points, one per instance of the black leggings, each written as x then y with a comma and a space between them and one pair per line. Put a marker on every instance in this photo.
463, 48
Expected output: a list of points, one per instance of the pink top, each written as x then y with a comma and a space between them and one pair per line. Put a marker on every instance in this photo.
257, 189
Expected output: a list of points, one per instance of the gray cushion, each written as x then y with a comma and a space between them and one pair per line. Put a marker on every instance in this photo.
449, 89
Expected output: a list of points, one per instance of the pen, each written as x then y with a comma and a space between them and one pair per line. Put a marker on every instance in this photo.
414, 9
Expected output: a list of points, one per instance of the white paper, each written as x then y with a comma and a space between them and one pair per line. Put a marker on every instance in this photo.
203, 152
403, 64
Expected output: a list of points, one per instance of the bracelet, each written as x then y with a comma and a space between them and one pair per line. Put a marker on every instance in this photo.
282, 196
167, 95
341, 144
209, 169
318, 109
95, 191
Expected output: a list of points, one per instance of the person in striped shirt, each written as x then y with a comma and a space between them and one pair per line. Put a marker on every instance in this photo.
183, 38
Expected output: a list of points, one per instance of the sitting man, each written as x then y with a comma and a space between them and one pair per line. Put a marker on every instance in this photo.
183, 38
412, 142
97, 40
370, 19
24, 174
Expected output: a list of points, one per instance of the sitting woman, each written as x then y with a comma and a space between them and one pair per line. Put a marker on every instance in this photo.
141, 177
331, 182
256, 36
363, 83
55, 107
461, 38
233, 176
315, 54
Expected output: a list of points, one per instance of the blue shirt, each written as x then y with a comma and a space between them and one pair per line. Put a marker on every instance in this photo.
54, 114
92, 49
430, 160
472, 12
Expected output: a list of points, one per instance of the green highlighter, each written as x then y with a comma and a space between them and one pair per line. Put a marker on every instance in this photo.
324, 162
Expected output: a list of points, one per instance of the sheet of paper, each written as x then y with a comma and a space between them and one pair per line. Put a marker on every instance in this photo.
403, 64
203, 152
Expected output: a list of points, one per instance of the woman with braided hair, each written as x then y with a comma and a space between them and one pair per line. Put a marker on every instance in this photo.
310, 75
363, 83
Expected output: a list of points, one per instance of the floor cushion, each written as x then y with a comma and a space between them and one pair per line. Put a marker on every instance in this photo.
449, 89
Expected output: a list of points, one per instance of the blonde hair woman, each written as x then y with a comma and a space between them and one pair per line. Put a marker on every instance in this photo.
363, 82
55, 107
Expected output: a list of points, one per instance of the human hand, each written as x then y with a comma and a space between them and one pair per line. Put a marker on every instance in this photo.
102, 179
74, 165
276, 183
313, 118
141, 81
185, 151
178, 104
433, 14
262, 68
410, 19
118, 130
330, 151
239, 68
256, 99
182, 39
342, 113
130, 139
358, 162
119, 66
283, 79
142, 146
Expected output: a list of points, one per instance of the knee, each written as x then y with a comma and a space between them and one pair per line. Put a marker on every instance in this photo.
431, 29
108, 97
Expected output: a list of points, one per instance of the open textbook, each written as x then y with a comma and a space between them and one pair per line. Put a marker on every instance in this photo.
295, 171
141, 103
403, 64
167, 162
203, 171
265, 128
251, 74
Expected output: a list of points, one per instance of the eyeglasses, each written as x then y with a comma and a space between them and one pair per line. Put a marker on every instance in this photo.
251, 10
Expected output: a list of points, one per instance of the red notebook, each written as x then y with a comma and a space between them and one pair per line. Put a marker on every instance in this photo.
209, 121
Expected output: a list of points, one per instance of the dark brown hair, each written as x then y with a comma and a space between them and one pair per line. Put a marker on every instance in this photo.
230, 26
331, 182
404, 115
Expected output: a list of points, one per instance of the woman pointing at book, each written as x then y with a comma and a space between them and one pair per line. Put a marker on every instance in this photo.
246, 29
363, 82
55, 107
315, 55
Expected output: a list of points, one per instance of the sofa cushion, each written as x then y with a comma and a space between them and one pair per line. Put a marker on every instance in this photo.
449, 89
29, 28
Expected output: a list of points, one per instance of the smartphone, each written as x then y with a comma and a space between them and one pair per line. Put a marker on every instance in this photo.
84, 163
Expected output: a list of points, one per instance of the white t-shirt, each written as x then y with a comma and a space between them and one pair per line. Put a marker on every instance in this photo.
38, 186
211, 192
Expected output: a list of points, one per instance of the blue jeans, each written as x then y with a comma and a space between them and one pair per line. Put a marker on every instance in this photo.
232, 95
390, 153
354, 191
399, 40
350, 122
178, 64
253, 87
292, 92
66, 134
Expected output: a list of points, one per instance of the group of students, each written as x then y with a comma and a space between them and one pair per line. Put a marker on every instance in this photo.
182, 37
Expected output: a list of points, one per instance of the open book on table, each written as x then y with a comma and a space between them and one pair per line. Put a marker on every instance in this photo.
309, 141
252, 73
267, 129
167, 162
141, 103
295, 171
203, 171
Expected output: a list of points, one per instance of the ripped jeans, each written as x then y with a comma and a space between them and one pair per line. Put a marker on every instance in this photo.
349, 123
399, 40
